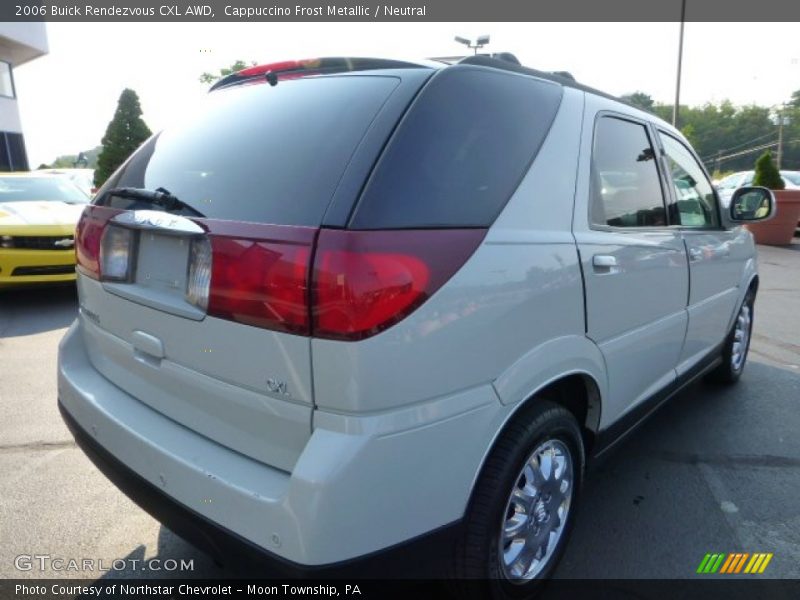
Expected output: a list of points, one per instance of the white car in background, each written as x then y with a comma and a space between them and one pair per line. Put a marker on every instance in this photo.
727, 185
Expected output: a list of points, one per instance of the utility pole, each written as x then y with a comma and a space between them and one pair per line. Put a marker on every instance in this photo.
680, 60
780, 136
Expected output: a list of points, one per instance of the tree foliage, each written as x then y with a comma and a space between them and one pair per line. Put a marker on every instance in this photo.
126, 132
766, 173
209, 78
69, 161
729, 138
639, 100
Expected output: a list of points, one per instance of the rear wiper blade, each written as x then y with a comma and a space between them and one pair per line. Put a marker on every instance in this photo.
159, 197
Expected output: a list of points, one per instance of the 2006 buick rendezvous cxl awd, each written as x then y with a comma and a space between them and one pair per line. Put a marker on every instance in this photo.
354, 304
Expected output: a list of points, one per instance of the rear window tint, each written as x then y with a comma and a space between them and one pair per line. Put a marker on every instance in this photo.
258, 152
460, 152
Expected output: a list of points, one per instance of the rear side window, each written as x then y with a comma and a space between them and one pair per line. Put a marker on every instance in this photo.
258, 152
460, 152
626, 191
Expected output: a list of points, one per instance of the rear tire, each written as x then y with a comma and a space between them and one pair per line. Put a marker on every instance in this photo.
521, 512
736, 345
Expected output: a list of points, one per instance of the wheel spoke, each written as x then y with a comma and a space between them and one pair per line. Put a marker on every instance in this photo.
546, 465
515, 526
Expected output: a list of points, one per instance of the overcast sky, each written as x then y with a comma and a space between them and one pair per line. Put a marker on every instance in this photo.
67, 98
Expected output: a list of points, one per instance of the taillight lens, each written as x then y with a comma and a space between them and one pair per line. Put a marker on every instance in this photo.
88, 236
198, 282
116, 251
261, 283
366, 281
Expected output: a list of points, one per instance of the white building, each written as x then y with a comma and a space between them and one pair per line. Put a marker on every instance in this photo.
19, 43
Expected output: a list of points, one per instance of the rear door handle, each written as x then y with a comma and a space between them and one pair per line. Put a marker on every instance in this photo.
695, 254
604, 261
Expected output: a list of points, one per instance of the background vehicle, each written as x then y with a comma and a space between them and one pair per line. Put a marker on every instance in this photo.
727, 185
83, 178
38, 214
358, 301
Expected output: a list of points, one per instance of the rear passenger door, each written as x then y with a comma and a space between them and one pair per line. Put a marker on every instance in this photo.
634, 265
716, 255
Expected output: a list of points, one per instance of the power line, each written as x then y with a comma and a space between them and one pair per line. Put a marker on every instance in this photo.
761, 137
719, 159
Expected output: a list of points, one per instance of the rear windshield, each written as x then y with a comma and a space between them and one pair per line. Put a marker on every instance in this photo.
460, 152
52, 189
272, 154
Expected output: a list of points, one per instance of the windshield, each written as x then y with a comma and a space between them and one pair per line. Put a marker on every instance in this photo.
20, 189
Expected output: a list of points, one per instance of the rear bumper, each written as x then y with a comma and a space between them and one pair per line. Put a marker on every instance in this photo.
403, 560
360, 487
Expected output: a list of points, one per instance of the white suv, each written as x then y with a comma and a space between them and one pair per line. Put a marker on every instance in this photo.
351, 305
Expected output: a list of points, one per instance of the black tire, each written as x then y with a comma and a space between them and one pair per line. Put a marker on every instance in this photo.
476, 567
727, 373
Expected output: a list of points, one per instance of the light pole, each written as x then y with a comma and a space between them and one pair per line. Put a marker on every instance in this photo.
675, 108
479, 43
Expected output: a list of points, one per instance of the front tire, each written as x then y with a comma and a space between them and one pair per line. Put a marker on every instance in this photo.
522, 508
737, 344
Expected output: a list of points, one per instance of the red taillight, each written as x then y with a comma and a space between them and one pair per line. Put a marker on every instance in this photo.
365, 281
88, 235
362, 282
261, 283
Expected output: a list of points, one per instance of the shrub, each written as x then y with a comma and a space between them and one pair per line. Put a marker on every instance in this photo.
767, 174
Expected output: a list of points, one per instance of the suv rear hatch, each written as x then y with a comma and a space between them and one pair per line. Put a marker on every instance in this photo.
221, 345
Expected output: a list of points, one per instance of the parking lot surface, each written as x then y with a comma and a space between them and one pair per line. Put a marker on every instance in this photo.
716, 470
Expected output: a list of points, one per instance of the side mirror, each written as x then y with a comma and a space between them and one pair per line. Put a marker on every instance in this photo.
750, 204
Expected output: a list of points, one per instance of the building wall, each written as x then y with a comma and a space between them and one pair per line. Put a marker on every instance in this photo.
19, 43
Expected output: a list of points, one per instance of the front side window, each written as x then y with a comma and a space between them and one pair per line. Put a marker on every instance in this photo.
6, 83
696, 204
626, 191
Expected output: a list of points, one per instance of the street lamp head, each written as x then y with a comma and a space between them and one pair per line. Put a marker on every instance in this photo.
464, 41
482, 40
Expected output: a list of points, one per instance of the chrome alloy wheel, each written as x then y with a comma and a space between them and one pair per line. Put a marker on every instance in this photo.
536, 512
741, 337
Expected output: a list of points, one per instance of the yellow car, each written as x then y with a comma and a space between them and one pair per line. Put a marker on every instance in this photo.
38, 214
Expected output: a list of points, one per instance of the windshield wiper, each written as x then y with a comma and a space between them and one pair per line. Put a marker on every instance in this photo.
159, 197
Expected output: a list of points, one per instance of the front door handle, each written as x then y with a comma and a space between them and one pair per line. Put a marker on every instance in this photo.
695, 254
604, 261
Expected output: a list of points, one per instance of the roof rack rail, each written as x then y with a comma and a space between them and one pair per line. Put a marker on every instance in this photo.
273, 72
561, 77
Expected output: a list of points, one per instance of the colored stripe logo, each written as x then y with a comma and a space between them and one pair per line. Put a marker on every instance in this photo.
734, 563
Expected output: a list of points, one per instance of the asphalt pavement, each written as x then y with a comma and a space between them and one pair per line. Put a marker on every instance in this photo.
716, 470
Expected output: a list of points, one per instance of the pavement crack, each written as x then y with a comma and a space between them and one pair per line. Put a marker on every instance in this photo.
729, 460
37, 446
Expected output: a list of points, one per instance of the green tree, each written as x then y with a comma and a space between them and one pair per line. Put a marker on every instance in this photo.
126, 132
209, 78
767, 173
639, 100
795, 101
